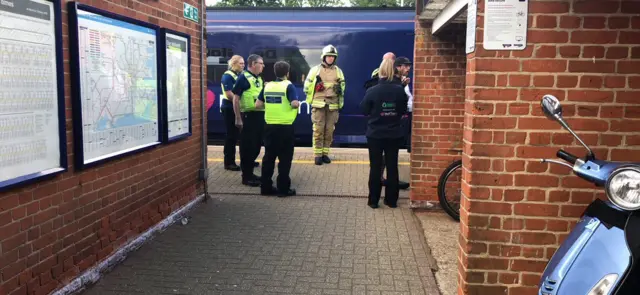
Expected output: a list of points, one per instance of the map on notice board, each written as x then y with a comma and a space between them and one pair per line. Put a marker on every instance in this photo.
119, 86
177, 62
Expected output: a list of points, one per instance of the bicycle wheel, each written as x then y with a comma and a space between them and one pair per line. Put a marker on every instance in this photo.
449, 189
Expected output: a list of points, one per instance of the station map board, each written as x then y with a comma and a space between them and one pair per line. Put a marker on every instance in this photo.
32, 127
177, 81
117, 89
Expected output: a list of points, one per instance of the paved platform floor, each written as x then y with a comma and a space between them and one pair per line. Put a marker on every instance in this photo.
241, 244
347, 175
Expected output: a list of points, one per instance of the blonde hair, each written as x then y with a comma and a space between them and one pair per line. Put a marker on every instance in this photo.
233, 62
386, 69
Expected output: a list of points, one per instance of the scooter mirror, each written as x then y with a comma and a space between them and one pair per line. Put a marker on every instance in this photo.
551, 107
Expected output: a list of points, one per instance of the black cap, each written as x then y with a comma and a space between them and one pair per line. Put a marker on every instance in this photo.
401, 61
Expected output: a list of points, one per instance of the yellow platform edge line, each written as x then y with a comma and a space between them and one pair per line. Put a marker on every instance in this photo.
313, 162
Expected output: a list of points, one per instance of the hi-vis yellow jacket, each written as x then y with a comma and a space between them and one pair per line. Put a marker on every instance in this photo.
310, 88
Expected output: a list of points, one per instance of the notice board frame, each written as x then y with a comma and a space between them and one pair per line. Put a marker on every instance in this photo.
80, 163
27, 179
164, 75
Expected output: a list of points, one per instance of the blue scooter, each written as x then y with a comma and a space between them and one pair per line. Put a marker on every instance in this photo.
600, 256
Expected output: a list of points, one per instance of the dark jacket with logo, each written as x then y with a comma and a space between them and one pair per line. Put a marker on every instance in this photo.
385, 103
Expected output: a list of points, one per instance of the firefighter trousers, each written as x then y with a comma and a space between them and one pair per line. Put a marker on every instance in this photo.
324, 123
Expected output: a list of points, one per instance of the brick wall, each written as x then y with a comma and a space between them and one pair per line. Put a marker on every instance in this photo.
517, 210
52, 231
438, 116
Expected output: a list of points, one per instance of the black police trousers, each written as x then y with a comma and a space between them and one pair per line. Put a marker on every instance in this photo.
383, 149
232, 136
278, 143
250, 141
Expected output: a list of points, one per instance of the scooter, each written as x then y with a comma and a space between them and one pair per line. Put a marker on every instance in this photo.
601, 254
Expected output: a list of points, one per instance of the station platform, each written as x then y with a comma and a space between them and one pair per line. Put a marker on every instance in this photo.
239, 242
346, 176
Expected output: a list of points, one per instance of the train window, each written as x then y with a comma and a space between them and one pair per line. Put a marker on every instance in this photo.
300, 59
217, 59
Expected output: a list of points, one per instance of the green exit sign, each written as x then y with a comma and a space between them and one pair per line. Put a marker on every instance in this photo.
191, 13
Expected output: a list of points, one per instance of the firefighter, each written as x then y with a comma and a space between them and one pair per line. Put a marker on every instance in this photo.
325, 86
280, 103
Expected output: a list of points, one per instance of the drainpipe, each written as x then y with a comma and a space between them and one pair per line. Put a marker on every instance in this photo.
204, 172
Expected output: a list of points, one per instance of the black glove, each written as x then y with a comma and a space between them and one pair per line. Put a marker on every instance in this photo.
337, 89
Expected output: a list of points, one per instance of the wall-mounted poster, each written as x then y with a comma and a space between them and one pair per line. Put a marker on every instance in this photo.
115, 84
32, 129
177, 85
505, 24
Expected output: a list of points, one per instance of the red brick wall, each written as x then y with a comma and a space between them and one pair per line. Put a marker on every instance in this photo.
438, 112
517, 210
52, 231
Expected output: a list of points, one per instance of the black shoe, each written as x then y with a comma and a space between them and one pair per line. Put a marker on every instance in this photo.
374, 206
290, 192
232, 167
401, 184
251, 182
390, 205
318, 160
326, 159
268, 191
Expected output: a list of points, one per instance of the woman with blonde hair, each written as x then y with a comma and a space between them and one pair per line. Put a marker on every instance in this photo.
235, 67
386, 70
384, 104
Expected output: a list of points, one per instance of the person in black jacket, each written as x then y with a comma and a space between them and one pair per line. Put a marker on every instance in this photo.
402, 66
384, 104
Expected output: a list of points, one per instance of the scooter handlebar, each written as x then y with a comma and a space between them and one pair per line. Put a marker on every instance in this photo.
567, 156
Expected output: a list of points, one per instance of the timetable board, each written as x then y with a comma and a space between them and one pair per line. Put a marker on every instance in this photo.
32, 132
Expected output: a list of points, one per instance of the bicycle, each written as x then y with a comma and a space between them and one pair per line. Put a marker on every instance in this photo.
447, 181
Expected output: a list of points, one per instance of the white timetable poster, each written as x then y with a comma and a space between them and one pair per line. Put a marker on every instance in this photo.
505, 24
29, 126
472, 13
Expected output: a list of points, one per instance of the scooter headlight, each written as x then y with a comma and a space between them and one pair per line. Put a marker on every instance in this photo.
605, 285
623, 187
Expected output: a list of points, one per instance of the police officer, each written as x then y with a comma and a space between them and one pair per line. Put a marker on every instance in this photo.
280, 103
249, 120
324, 86
236, 65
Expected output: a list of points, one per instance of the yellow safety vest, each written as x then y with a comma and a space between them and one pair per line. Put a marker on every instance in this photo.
224, 93
277, 107
249, 96
310, 88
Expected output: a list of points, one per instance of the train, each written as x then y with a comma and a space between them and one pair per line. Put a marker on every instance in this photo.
297, 35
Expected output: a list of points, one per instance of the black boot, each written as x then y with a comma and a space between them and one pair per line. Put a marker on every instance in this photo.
290, 192
326, 159
268, 191
232, 167
318, 160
